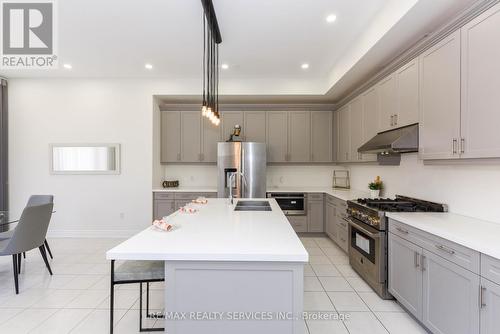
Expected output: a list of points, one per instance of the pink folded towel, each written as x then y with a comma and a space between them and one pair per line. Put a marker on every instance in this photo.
188, 209
200, 200
162, 225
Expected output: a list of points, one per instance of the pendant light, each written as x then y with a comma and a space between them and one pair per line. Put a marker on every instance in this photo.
211, 41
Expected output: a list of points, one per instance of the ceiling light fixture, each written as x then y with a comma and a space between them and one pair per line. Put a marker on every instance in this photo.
211, 40
224, 66
68, 66
148, 66
305, 66
331, 18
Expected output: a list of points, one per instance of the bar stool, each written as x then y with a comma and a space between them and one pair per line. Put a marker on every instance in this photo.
133, 272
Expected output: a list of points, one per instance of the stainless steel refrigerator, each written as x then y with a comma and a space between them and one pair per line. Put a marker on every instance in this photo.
246, 159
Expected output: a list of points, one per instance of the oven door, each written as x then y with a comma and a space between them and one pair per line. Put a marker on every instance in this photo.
367, 251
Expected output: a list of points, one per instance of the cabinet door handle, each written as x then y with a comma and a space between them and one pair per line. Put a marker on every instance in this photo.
396, 119
422, 262
462, 145
402, 230
454, 146
482, 303
346, 156
392, 120
445, 249
415, 259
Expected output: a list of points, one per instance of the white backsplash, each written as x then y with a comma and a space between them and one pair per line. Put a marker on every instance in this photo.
471, 190
277, 176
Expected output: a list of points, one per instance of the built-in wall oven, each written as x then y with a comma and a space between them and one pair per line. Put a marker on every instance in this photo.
292, 204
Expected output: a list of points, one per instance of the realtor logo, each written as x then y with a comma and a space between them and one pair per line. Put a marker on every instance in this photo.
28, 32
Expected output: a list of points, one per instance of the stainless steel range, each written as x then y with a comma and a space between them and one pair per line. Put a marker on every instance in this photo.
368, 235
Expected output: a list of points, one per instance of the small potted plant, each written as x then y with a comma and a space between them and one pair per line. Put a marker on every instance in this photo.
375, 187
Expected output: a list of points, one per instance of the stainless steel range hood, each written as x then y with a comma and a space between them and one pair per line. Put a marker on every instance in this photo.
390, 144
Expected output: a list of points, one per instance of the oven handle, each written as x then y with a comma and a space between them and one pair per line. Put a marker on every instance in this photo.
362, 229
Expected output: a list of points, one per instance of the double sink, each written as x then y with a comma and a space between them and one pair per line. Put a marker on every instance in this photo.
252, 206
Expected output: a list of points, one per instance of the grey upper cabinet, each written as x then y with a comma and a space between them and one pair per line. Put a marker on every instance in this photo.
299, 136
440, 100
387, 103
277, 136
255, 126
405, 276
211, 136
229, 120
370, 119
407, 94
451, 295
321, 136
335, 140
170, 136
315, 214
344, 146
480, 113
356, 129
191, 136
490, 307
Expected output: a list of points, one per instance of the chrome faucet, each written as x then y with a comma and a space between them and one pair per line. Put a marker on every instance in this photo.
231, 179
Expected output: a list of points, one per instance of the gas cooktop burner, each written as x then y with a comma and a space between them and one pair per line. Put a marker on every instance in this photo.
400, 204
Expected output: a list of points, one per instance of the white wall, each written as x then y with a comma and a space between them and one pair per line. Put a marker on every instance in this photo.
471, 190
281, 176
44, 111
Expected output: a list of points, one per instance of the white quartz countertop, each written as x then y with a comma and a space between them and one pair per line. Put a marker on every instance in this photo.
218, 233
345, 195
476, 234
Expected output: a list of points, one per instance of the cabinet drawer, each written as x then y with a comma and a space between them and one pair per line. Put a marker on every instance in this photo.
458, 254
163, 195
343, 238
315, 196
299, 223
490, 268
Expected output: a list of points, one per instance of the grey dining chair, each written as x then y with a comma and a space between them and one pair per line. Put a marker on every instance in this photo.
29, 233
32, 201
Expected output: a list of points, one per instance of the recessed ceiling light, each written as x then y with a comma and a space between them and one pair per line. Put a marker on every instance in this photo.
68, 66
148, 66
305, 66
224, 66
331, 18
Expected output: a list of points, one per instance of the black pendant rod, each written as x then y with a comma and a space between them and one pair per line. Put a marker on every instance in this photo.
208, 8
204, 55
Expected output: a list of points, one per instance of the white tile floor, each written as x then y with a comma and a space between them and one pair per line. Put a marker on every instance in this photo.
76, 298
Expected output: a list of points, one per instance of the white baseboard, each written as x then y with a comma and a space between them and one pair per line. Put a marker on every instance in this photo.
91, 233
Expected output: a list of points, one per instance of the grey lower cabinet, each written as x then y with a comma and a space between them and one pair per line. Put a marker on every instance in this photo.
331, 227
315, 213
166, 203
443, 295
405, 276
163, 208
299, 223
490, 307
450, 296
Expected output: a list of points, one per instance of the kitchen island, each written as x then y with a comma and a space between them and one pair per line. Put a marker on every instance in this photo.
241, 269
